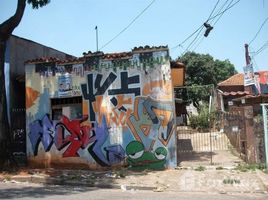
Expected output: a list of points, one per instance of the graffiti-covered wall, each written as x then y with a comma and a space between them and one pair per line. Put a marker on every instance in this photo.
105, 110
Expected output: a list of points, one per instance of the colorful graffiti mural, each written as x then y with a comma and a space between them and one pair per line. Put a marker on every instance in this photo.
140, 159
128, 111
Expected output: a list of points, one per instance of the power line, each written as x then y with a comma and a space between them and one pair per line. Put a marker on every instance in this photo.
220, 9
124, 29
214, 8
258, 31
220, 13
188, 37
200, 41
198, 29
223, 12
188, 47
263, 47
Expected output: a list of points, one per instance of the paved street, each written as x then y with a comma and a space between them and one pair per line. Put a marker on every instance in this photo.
32, 191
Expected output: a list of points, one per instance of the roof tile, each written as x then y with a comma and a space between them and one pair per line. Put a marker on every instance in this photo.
237, 79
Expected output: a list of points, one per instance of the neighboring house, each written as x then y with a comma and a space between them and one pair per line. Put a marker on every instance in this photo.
103, 110
230, 89
18, 51
233, 92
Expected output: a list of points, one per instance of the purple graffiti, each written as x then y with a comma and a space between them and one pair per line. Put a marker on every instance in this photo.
114, 154
73, 135
41, 131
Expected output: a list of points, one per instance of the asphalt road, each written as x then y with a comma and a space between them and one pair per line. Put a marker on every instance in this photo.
29, 191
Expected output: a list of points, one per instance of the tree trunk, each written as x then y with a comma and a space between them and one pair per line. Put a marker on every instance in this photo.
6, 29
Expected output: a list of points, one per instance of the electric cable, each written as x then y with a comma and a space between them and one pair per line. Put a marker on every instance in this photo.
198, 29
225, 10
222, 13
258, 31
263, 47
124, 29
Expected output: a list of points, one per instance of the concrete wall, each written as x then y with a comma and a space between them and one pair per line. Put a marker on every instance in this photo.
127, 113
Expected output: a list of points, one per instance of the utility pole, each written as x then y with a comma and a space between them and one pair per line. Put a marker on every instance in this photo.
265, 125
97, 39
248, 59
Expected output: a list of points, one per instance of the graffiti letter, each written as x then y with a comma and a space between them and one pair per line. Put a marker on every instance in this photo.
41, 130
125, 82
88, 90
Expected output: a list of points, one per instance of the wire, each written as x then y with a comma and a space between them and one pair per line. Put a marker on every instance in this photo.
188, 47
263, 47
200, 41
220, 13
198, 29
253, 60
223, 12
187, 37
258, 31
124, 29
214, 8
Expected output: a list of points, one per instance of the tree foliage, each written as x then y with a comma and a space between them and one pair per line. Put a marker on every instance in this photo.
6, 29
203, 73
203, 69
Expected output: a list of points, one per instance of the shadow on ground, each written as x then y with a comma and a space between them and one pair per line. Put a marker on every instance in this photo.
195, 156
15, 191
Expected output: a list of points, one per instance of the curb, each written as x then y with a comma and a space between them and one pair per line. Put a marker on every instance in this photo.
57, 181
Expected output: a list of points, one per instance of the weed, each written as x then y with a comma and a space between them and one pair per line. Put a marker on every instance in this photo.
219, 168
200, 168
122, 173
231, 181
8, 178
250, 167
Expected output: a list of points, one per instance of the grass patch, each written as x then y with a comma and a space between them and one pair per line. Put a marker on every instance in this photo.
219, 168
250, 167
231, 181
7, 177
200, 168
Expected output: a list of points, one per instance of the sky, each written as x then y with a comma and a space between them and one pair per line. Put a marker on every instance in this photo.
69, 26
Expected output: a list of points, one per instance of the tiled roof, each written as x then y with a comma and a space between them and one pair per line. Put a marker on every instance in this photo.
108, 56
91, 54
238, 93
42, 60
147, 47
72, 61
117, 55
237, 79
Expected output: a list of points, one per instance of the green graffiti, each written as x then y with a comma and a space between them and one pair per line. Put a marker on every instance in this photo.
139, 159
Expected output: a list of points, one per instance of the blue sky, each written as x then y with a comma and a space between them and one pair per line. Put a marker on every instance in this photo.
69, 26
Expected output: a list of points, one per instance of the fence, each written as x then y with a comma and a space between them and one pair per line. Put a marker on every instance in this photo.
191, 141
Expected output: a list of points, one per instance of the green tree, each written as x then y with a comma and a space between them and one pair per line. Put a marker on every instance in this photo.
203, 69
6, 29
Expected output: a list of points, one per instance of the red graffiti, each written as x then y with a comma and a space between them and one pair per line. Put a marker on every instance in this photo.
73, 133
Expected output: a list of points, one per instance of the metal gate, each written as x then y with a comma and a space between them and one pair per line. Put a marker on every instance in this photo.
189, 141
199, 147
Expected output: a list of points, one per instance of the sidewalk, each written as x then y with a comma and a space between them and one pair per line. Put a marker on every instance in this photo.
178, 180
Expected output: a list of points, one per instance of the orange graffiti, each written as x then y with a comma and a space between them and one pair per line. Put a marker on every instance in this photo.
100, 108
165, 115
114, 115
31, 96
85, 108
165, 85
